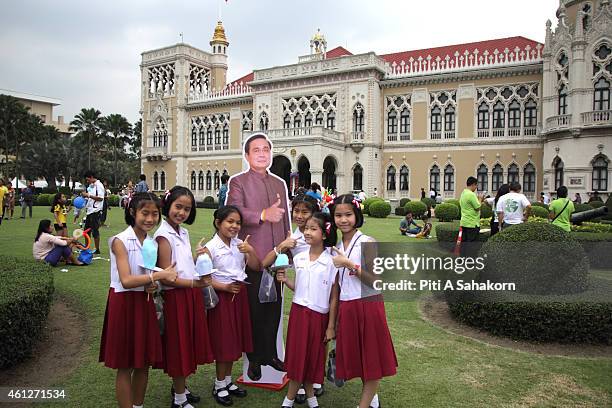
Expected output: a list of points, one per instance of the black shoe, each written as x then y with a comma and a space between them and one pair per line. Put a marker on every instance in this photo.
300, 398
225, 400
276, 364
254, 371
191, 397
319, 391
236, 391
184, 404
97, 252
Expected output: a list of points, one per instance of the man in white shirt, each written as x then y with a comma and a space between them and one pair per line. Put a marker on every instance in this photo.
362, 195
512, 208
95, 203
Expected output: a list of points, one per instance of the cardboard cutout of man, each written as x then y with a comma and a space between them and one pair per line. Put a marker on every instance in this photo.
263, 201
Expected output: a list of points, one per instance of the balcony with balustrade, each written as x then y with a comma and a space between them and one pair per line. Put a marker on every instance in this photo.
507, 132
597, 118
155, 153
300, 134
559, 122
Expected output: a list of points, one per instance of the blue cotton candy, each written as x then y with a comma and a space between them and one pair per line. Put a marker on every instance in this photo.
149, 253
203, 265
281, 260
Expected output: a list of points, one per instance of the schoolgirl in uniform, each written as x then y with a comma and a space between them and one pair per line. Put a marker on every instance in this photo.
130, 337
230, 320
185, 341
364, 348
313, 311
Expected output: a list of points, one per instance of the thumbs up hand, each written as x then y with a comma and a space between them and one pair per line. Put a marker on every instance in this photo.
288, 243
275, 213
244, 247
340, 259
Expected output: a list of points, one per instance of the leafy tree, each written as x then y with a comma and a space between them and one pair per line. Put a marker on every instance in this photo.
13, 117
87, 124
119, 130
48, 157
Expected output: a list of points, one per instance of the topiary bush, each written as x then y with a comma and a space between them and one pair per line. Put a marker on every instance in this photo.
429, 202
454, 201
539, 204
485, 211
208, 202
539, 257
447, 233
447, 212
403, 202
380, 209
597, 246
368, 201
43, 199
582, 207
26, 291
596, 204
538, 211
113, 200
417, 208
401, 211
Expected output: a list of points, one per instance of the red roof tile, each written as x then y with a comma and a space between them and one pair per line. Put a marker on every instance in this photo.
338, 52
244, 79
491, 45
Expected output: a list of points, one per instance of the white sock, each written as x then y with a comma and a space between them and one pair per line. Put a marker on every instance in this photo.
220, 385
316, 386
374, 403
136, 406
287, 402
301, 391
228, 381
312, 402
187, 391
179, 398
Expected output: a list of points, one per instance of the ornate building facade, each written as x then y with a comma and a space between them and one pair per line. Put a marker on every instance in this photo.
501, 110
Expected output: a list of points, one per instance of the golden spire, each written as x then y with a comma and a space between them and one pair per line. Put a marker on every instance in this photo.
219, 35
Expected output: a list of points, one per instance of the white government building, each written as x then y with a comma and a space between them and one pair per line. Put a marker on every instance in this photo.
502, 110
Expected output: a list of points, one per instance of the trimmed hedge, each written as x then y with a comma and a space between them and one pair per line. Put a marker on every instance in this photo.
417, 208
26, 292
596, 204
42, 199
447, 233
485, 211
539, 257
208, 202
454, 201
538, 211
403, 202
539, 204
429, 202
113, 200
366, 203
447, 212
582, 207
380, 209
597, 246
401, 211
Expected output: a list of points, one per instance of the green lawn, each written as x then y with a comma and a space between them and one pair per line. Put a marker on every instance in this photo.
436, 369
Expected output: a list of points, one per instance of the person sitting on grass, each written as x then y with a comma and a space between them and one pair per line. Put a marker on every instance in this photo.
50, 248
427, 226
408, 225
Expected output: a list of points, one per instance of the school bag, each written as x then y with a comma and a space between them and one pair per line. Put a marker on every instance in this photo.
86, 256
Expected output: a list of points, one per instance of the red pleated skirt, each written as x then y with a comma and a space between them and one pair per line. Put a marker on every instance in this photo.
130, 335
305, 351
186, 343
229, 325
364, 348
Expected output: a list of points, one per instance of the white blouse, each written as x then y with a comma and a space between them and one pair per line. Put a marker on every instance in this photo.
228, 262
314, 281
133, 246
182, 256
351, 287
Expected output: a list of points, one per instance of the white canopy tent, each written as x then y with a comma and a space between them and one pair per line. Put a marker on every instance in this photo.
14, 183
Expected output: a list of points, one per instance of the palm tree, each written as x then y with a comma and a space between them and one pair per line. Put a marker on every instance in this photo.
87, 124
120, 130
13, 116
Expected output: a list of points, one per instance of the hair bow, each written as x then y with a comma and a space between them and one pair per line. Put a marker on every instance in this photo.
356, 202
327, 227
166, 195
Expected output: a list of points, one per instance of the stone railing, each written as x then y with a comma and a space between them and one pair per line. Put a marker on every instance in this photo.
465, 61
558, 122
597, 118
299, 133
229, 92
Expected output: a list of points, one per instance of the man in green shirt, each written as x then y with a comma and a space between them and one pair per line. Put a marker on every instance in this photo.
470, 214
561, 210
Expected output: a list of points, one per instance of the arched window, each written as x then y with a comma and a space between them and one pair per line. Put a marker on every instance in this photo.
558, 166
217, 138
514, 115
449, 119
529, 178
208, 180
562, 100
357, 178
319, 118
391, 178
405, 124
286, 121
217, 180
226, 136
531, 114
155, 181
263, 121
600, 174
601, 96
513, 173
499, 116
297, 121
404, 179
194, 137
483, 116
434, 178
162, 181
331, 120
449, 178
308, 120
202, 137
209, 138
498, 177
358, 118
436, 119
482, 175
392, 125
201, 180
193, 180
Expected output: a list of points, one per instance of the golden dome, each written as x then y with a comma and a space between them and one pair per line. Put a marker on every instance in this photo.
219, 35
318, 36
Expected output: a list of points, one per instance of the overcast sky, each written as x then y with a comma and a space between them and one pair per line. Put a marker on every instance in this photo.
87, 53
